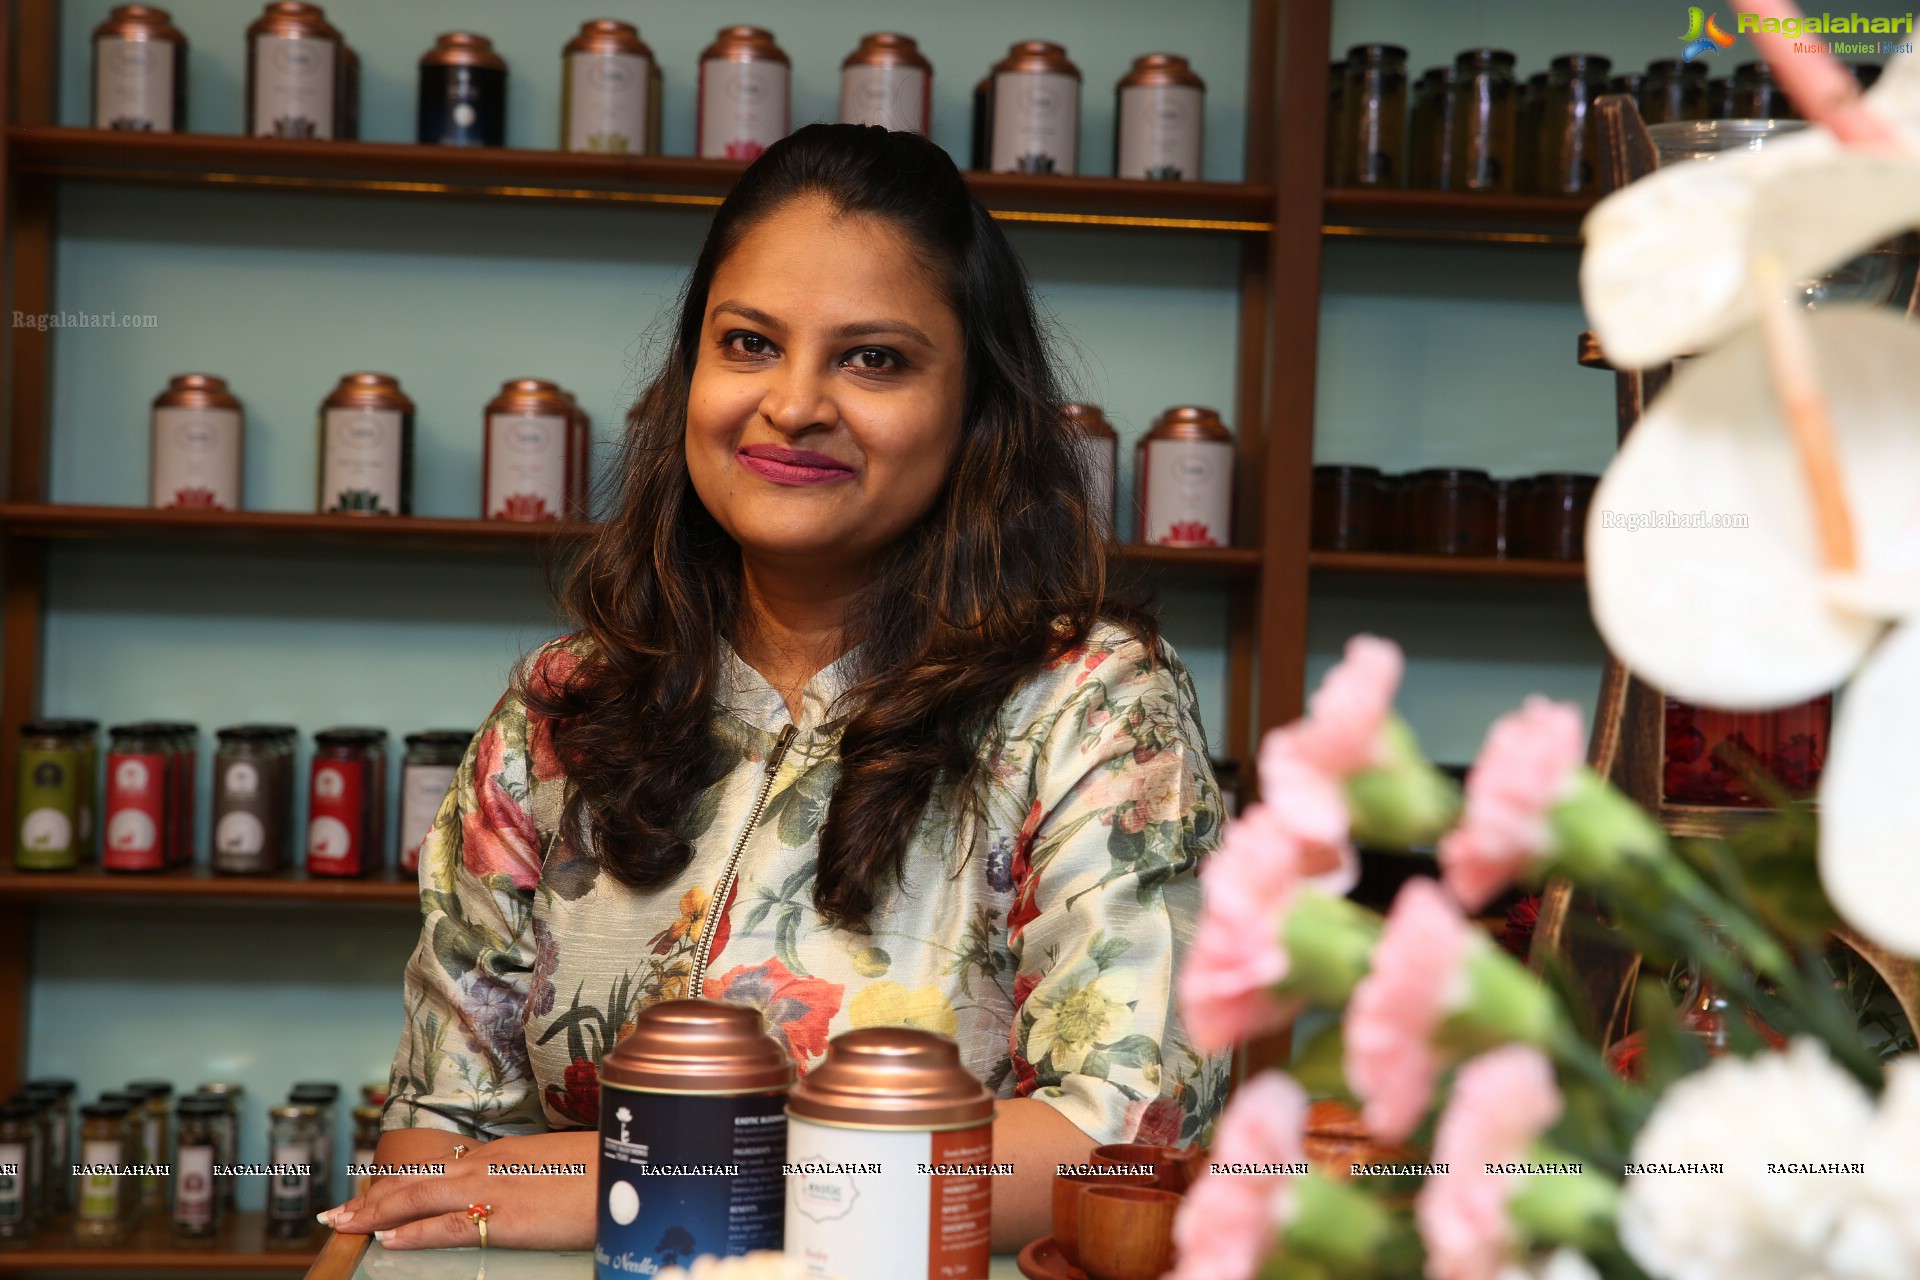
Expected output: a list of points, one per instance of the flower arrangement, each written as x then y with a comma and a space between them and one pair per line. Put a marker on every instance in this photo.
1538, 1160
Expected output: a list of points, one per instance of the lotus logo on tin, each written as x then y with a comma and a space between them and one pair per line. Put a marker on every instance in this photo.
363, 430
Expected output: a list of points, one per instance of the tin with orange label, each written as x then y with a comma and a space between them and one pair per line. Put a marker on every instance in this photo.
890, 1161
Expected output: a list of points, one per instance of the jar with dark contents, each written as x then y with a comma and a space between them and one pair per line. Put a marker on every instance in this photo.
1674, 90
1758, 96
324, 1099
18, 1169
1720, 98
1529, 113
1630, 84
1422, 138
290, 1148
196, 1199
1551, 516
54, 781
98, 1217
1373, 116
347, 802
1570, 146
426, 775
463, 93
1485, 102
233, 1098
252, 800
1451, 513
1336, 136
183, 748
1347, 509
57, 1095
346, 106
155, 1117
1506, 493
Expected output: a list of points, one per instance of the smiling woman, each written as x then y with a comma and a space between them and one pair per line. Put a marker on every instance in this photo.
849, 731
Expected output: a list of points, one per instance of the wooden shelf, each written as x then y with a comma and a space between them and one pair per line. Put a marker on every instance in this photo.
505, 173
1454, 216
242, 1245
1480, 567
201, 883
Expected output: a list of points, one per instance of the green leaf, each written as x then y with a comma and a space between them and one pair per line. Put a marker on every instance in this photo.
1103, 951
1134, 1051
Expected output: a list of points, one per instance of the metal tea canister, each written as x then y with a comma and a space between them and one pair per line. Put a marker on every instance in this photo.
889, 1161
745, 85
1036, 110
139, 71
366, 448
55, 805
583, 450
531, 454
1098, 445
198, 434
293, 73
1162, 115
610, 96
426, 775
463, 93
346, 107
1184, 472
887, 81
347, 802
693, 1135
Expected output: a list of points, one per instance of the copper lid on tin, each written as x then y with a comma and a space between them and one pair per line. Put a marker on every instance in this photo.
892, 1078
1161, 69
530, 395
1037, 56
463, 49
139, 22
608, 35
293, 18
698, 1046
368, 391
1087, 420
196, 391
1188, 422
744, 44
886, 49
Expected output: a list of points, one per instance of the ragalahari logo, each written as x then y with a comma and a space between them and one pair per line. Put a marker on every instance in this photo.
1703, 33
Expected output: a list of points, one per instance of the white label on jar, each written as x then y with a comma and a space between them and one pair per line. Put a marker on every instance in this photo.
293, 87
527, 466
193, 1186
1160, 131
289, 1193
196, 458
607, 96
1036, 122
240, 834
891, 97
100, 1192
1186, 495
361, 462
362, 1158
13, 1181
1097, 460
902, 1222
743, 108
422, 788
133, 85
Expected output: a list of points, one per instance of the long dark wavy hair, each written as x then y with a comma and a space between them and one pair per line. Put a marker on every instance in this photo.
1004, 573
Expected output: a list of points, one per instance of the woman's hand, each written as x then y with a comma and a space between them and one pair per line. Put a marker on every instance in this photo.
429, 1211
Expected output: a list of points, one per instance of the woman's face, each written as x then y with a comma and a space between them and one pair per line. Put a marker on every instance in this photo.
827, 392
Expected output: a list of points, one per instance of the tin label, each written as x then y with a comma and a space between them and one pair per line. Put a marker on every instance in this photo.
606, 103
743, 108
193, 1186
133, 85
900, 1222
196, 458
682, 1176
337, 818
1160, 129
527, 466
1098, 461
1186, 493
1036, 122
49, 808
289, 1194
293, 83
363, 461
100, 1192
891, 97
422, 789
137, 791
14, 1166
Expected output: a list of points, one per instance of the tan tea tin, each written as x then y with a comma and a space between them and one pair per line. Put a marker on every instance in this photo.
293, 72
745, 82
1184, 471
366, 448
610, 95
887, 81
198, 433
1036, 110
529, 455
139, 71
1161, 115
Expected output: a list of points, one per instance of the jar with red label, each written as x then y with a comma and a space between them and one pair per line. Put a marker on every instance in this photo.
532, 453
426, 775
140, 763
1184, 475
347, 802
183, 742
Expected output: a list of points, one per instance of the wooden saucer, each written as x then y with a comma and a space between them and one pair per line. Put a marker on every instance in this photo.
1041, 1260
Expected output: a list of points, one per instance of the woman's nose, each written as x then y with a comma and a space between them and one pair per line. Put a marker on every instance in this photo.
798, 398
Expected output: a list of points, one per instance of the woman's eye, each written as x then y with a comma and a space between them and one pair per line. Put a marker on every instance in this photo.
874, 360
746, 344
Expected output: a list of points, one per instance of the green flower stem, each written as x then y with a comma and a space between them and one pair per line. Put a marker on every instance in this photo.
1403, 801
1576, 1209
1329, 944
1352, 1234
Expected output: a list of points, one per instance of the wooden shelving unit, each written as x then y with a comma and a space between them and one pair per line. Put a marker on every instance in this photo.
1486, 568
202, 884
241, 1246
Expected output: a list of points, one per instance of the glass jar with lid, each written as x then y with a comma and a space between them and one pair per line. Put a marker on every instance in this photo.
366, 1139
21, 1163
233, 1097
324, 1099
1674, 90
347, 802
56, 1095
290, 1145
196, 1193
1373, 115
1486, 102
426, 775
155, 1119
252, 803
1528, 114
1570, 146
1756, 95
51, 831
98, 1217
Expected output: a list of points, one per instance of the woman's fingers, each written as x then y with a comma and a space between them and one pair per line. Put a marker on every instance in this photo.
392, 1201
444, 1231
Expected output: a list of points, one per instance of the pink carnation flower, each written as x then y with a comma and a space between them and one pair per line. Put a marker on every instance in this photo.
1526, 766
1227, 1221
1502, 1101
1341, 732
1390, 1060
1226, 981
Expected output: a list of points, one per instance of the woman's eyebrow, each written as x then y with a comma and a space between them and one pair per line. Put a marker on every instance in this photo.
862, 329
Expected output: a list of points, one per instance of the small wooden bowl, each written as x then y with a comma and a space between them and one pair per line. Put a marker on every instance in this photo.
1068, 1189
1126, 1233
1174, 1168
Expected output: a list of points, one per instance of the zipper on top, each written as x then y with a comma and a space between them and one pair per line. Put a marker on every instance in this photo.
717, 904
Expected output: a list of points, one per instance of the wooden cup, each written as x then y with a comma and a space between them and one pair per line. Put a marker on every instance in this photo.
1174, 1168
1126, 1233
1068, 1189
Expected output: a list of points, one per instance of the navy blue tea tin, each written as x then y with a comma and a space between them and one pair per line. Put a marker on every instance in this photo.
463, 93
693, 1139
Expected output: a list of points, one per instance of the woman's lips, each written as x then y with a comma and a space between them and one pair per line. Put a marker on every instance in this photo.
792, 466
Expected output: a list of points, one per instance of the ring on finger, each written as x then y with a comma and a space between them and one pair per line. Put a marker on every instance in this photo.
478, 1214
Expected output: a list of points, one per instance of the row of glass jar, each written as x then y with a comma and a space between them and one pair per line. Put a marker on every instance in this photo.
1473, 126
303, 82
1451, 511
147, 802
140, 1153
536, 444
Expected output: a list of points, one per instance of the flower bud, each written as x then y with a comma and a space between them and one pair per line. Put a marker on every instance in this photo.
1329, 943
1403, 800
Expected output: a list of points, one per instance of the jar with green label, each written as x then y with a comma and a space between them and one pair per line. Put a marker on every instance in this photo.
53, 821
103, 1150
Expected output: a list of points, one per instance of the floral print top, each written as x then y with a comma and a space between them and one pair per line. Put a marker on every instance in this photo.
1041, 932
